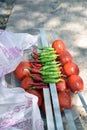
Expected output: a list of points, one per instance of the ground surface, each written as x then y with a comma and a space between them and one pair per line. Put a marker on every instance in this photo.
6, 7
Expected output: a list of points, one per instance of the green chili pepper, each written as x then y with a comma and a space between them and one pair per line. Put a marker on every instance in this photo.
50, 63
50, 76
53, 74
49, 73
51, 80
48, 59
48, 56
45, 67
47, 53
49, 70
46, 48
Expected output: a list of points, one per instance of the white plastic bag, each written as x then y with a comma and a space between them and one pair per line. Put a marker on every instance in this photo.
18, 110
12, 46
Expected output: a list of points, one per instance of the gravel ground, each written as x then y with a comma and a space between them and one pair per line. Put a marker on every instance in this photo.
5, 11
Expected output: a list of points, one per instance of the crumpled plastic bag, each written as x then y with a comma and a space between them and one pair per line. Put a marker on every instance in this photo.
12, 46
18, 110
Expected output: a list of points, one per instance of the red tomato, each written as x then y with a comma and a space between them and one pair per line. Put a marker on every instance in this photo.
65, 100
59, 46
25, 82
70, 68
65, 57
36, 93
21, 71
75, 83
67, 87
61, 86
